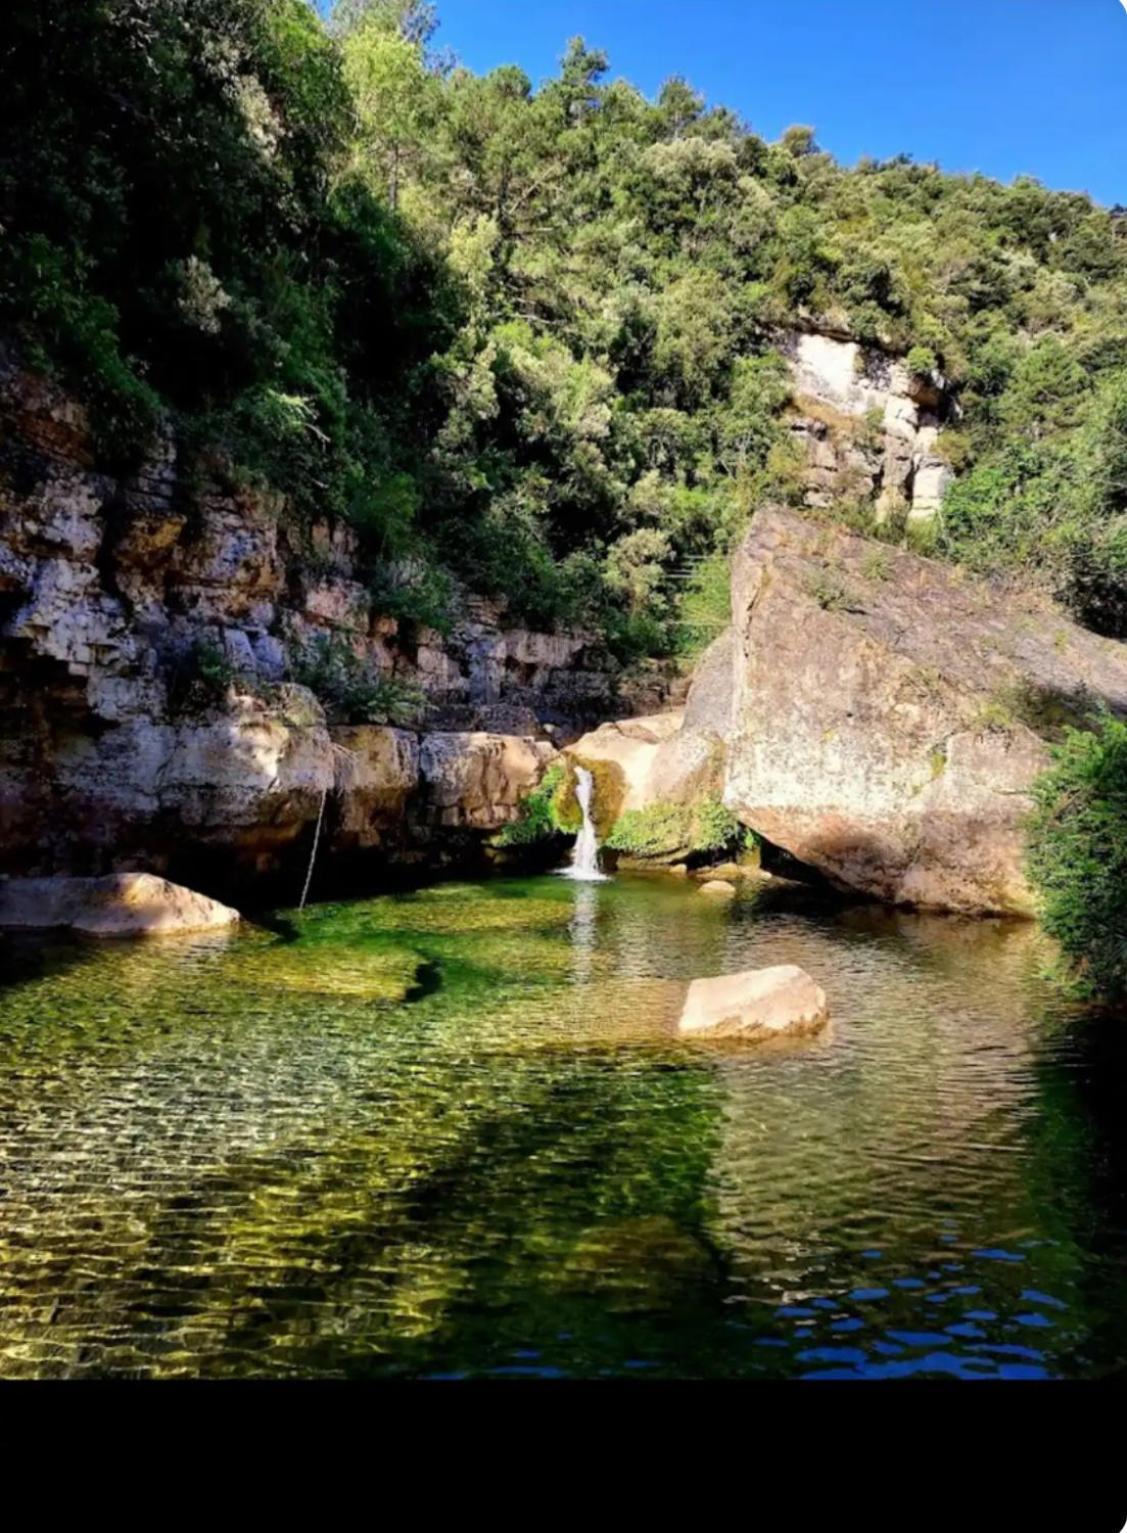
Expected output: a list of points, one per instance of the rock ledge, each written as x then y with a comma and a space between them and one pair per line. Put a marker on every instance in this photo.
120, 905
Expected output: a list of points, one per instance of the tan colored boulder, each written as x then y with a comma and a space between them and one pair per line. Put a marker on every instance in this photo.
719, 888
890, 713
377, 771
120, 905
758, 1004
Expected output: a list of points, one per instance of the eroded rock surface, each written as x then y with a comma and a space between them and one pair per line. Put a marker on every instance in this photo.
867, 427
111, 753
890, 713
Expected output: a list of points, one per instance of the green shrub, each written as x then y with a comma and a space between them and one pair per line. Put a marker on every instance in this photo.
423, 596
199, 678
658, 831
706, 607
1077, 855
715, 827
666, 831
351, 690
538, 820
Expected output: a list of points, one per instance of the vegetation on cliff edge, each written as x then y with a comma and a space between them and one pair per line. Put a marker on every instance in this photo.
527, 336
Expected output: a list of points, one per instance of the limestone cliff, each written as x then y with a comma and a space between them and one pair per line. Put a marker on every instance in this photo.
110, 591
865, 426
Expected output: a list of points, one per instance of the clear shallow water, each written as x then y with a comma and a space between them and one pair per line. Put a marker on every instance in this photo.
450, 1133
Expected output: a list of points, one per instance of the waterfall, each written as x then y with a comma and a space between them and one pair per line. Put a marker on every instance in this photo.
585, 858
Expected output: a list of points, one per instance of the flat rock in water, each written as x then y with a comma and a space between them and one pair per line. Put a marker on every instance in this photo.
720, 887
120, 905
782, 1001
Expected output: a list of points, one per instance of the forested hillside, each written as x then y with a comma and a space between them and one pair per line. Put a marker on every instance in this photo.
522, 336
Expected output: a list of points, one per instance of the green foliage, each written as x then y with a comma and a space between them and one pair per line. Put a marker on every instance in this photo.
200, 678
663, 832
421, 594
831, 594
525, 335
538, 820
1077, 855
350, 689
705, 607
921, 361
715, 827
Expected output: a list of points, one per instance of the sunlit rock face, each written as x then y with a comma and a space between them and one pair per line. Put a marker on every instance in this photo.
866, 427
478, 779
675, 757
632, 746
120, 905
780, 1002
109, 587
890, 714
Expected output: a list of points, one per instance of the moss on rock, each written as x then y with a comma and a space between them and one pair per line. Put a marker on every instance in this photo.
607, 799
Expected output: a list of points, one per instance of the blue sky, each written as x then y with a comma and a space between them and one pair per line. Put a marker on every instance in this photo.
1002, 86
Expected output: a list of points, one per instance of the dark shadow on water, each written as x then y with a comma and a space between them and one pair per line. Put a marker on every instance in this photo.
36, 955
428, 981
279, 926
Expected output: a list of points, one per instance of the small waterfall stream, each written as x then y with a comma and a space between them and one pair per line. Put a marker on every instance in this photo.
585, 858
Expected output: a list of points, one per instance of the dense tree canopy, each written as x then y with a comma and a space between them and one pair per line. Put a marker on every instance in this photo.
526, 334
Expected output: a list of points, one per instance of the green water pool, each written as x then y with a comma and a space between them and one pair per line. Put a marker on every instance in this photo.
451, 1133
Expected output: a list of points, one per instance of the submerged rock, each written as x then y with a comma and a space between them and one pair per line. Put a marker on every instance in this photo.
719, 888
782, 1001
890, 713
120, 905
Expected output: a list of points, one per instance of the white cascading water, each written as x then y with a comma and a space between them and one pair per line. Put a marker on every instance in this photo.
585, 858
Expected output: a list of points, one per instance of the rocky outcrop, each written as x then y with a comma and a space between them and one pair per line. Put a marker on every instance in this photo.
478, 780
890, 713
759, 1004
866, 427
122, 905
632, 747
151, 628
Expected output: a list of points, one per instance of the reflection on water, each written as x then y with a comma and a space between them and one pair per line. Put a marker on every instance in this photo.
452, 1133
582, 928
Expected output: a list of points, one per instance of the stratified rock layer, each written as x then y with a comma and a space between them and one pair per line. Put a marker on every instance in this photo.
111, 755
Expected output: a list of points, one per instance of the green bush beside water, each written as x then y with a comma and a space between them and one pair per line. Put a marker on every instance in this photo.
664, 832
1077, 856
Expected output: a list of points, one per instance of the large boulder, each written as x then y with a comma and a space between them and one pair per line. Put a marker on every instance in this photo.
688, 765
377, 772
120, 905
758, 1004
890, 713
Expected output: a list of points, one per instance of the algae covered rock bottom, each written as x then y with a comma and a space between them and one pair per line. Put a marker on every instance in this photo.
453, 1132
